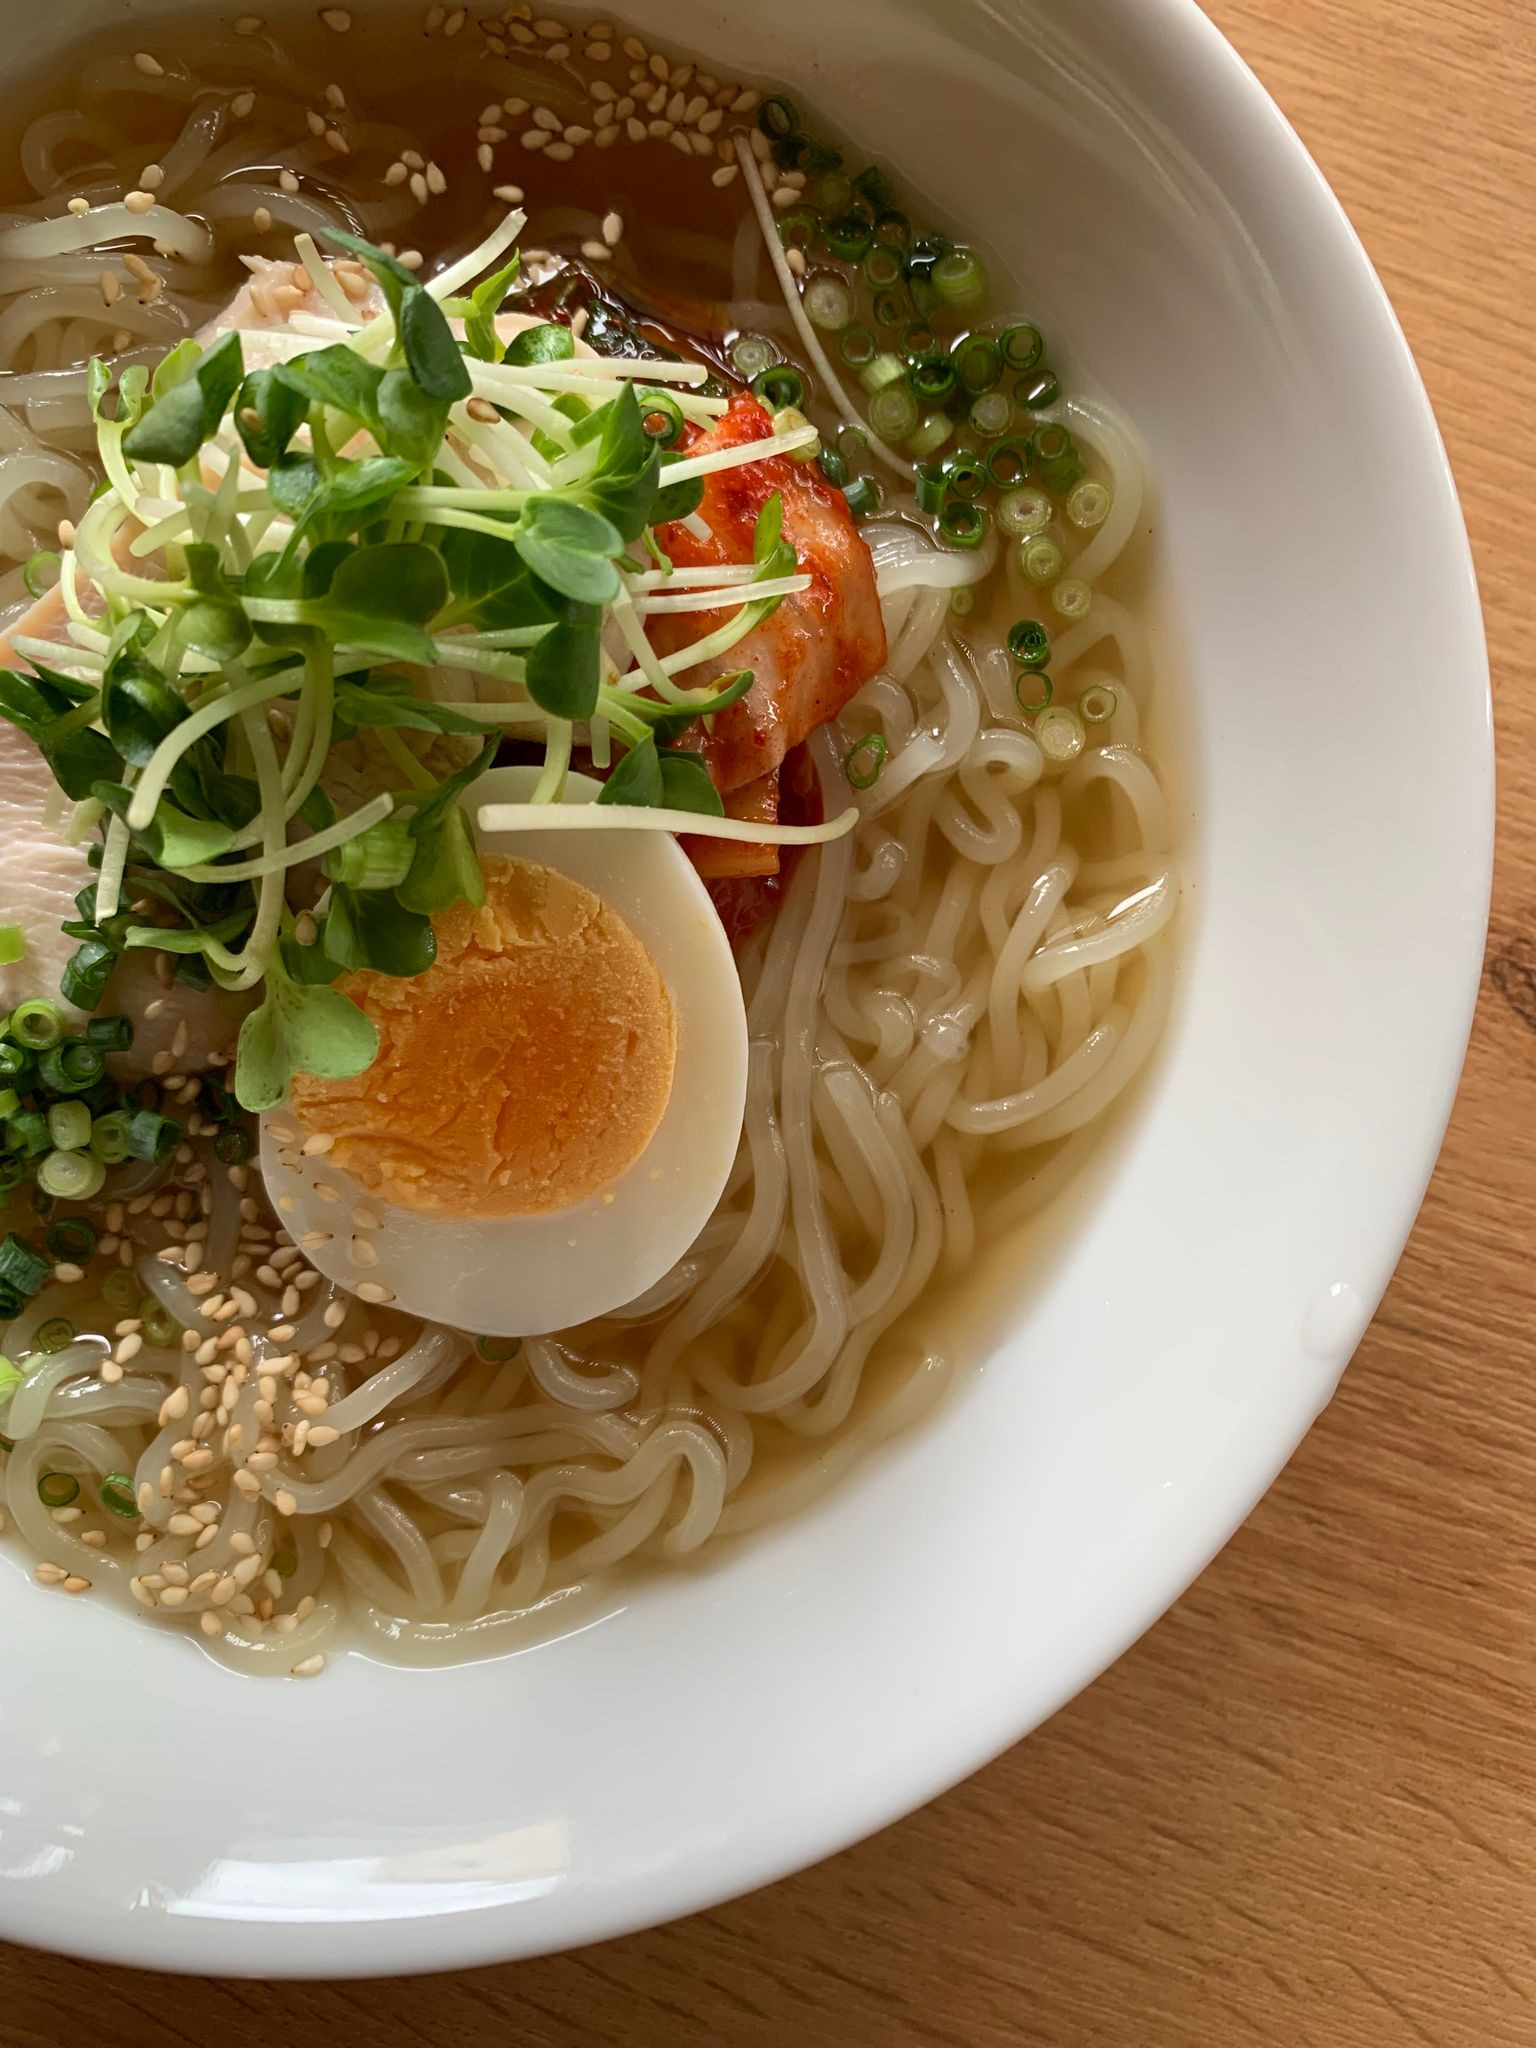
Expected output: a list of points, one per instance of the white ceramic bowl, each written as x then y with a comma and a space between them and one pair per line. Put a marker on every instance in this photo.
740, 1721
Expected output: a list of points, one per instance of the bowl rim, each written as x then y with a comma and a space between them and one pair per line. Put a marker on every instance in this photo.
800, 1835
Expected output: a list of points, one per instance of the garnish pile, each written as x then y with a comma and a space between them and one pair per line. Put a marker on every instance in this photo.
279, 560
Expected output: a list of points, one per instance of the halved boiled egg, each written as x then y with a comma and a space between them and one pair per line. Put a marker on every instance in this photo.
557, 1102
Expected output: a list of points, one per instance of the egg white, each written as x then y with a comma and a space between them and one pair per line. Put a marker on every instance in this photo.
528, 1275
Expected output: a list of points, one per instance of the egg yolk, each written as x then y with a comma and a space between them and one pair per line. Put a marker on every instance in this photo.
522, 1073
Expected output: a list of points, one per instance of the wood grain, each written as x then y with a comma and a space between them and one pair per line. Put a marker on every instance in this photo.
1303, 1811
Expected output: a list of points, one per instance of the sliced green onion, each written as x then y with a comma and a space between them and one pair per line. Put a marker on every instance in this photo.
1089, 503
882, 370
1097, 704
936, 429
69, 1125
160, 1326
882, 268
962, 602
917, 340
1038, 392
960, 279
963, 525
1041, 559
498, 1350
834, 191
848, 236
892, 307
36, 1025
1032, 690
57, 1489
112, 1034
892, 229
864, 496
120, 1291
110, 1137
777, 117
662, 416
152, 1136
71, 1238
117, 1495
71, 1176
873, 185
1059, 734
1072, 598
979, 361
13, 944
1029, 643
1024, 513
863, 761
857, 346
833, 467
27, 1133
15, 1061
932, 484
967, 477
751, 354
55, 1334
1010, 463
41, 572
799, 227
1022, 346
852, 443
285, 1562
1050, 442
992, 413
893, 412
10, 1102
828, 303
86, 973
70, 1068
932, 378
780, 386
22, 1270
232, 1147
789, 420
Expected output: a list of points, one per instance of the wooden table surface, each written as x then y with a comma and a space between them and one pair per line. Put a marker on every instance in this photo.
1303, 1810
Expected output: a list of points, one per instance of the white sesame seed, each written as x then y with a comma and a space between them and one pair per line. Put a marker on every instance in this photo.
744, 103
50, 1575
660, 129
66, 1272
546, 117
316, 123
210, 1624
602, 90
510, 195
335, 97
700, 144
795, 258
634, 129
599, 52
150, 66
75, 1584
436, 182
175, 1596
613, 229
261, 220
96, 1539
557, 53
578, 135
633, 47
183, 1525
248, 1569
551, 31
455, 21
249, 25
336, 18
597, 252
288, 180
67, 1514
284, 1502
675, 106
242, 104
725, 175
680, 142
623, 108
419, 188
485, 156
709, 122
370, 1290
79, 205
605, 138
659, 67
111, 1371
321, 1434
335, 140
309, 1667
